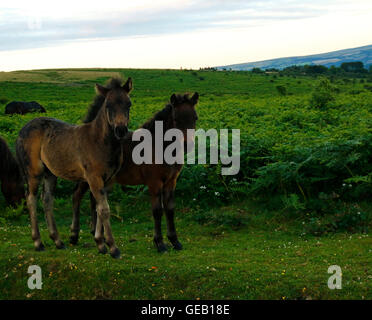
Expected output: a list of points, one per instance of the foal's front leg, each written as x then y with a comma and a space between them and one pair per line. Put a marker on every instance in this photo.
157, 212
168, 201
103, 219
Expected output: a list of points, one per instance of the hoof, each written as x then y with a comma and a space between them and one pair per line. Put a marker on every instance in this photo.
60, 246
40, 247
103, 250
74, 240
161, 247
115, 254
177, 246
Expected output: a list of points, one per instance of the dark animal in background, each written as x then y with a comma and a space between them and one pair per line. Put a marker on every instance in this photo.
161, 179
10, 176
49, 148
20, 107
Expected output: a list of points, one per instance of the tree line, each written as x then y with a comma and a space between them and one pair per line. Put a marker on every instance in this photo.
351, 69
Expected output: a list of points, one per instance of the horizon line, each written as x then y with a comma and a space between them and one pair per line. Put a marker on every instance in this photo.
181, 68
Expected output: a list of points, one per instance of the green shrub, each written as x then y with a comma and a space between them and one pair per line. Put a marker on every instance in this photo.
227, 218
344, 217
323, 94
282, 90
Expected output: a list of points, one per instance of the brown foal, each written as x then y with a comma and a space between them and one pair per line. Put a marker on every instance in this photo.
49, 148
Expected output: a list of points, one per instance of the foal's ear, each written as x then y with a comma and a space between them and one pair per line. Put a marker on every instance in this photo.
173, 99
102, 90
128, 86
195, 98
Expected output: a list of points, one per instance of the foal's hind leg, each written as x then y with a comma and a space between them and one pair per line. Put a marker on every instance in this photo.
77, 196
50, 182
31, 198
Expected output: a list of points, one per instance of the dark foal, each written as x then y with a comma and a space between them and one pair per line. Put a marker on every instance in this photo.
10, 176
161, 179
49, 148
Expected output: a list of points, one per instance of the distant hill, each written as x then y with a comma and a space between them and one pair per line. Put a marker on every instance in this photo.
363, 54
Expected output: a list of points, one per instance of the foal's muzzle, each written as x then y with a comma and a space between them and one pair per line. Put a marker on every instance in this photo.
120, 132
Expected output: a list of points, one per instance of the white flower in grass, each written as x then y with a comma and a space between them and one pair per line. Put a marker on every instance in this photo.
217, 193
203, 187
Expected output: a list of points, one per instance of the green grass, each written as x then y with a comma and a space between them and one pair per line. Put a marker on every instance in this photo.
268, 259
234, 247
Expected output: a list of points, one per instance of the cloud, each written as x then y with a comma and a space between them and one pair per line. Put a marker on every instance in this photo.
192, 35
40, 24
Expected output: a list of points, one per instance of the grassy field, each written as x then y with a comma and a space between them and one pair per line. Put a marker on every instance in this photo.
238, 244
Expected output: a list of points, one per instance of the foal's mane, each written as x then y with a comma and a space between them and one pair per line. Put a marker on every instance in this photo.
113, 83
164, 114
8, 164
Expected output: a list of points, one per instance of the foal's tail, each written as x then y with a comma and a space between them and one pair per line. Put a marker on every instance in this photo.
20, 155
28, 145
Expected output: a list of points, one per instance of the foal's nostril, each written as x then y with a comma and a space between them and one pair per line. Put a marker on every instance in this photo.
121, 131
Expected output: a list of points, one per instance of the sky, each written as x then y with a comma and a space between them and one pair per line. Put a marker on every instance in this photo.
42, 34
